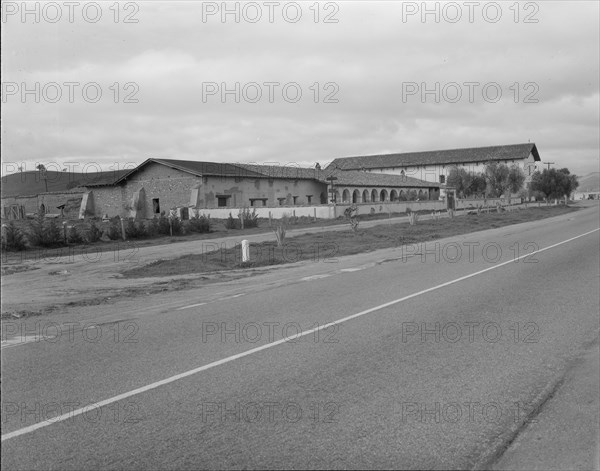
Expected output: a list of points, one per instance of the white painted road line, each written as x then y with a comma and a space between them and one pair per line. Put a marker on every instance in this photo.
190, 306
315, 277
214, 364
350, 270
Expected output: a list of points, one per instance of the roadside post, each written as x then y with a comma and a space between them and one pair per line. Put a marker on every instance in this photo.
245, 251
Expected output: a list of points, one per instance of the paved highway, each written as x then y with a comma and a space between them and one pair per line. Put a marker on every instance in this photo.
408, 358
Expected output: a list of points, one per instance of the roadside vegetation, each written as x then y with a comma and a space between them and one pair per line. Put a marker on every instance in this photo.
326, 246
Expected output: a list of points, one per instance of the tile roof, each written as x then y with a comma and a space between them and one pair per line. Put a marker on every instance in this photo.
285, 171
437, 157
359, 178
354, 178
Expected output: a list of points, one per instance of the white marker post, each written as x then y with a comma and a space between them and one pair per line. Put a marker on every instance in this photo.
245, 251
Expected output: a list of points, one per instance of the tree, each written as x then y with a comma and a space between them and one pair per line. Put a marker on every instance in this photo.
466, 183
478, 184
44, 174
496, 176
458, 178
570, 183
516, 178
554, 183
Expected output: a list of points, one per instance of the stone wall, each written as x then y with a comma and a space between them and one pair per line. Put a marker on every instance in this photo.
49, 202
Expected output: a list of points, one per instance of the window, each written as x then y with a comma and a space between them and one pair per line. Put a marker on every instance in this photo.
295, 198
253, 200
309, 198
155, 206
222, 200
281, 201
442, 178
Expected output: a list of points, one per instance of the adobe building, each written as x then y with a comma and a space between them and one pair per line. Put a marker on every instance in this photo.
434, 166
159, 185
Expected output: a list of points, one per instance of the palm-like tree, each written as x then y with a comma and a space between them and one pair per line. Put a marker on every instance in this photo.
42, 170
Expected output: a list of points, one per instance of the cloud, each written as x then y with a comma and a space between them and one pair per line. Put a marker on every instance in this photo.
167, 63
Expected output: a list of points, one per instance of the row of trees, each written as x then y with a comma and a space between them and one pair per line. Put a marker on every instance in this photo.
496, 180
500, 179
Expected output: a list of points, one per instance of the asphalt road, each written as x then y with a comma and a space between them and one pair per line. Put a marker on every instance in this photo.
435, 359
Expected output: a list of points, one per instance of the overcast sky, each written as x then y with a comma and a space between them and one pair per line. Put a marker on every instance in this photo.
370, 62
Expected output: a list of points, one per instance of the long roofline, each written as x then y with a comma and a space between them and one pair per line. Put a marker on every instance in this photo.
532, 149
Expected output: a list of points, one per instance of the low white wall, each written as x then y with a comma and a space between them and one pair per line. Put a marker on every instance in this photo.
331, 212
321, 212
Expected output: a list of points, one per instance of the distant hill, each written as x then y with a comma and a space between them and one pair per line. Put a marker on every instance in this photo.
32, 183
589, 182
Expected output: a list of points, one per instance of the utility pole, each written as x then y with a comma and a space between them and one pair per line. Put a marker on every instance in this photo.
548, 164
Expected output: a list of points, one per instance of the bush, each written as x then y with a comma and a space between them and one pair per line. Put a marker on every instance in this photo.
152, 227
176, 225
114, 230
164, 224
231, 223
73, 236
289, 219
280, 235
93, 233
13, 238
54, 237
164, 228
248, 219
198, 224
37, 230
141, 229
45, 234
135, 230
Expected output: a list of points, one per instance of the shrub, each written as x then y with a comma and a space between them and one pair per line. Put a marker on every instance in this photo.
73, 236
141, 229
289, 219
37, 230
176, 225
164, 228
198, 224
280, 234
248, 219
152, 227
114, 230
135, 230
13, 238
164, 225
93, 233
45, 234
231, 223
54, 236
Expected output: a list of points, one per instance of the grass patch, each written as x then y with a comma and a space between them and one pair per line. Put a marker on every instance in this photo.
326, 246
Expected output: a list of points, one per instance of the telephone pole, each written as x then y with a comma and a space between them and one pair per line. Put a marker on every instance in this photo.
548, 164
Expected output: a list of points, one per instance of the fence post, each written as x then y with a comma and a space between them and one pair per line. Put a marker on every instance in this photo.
270, 219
